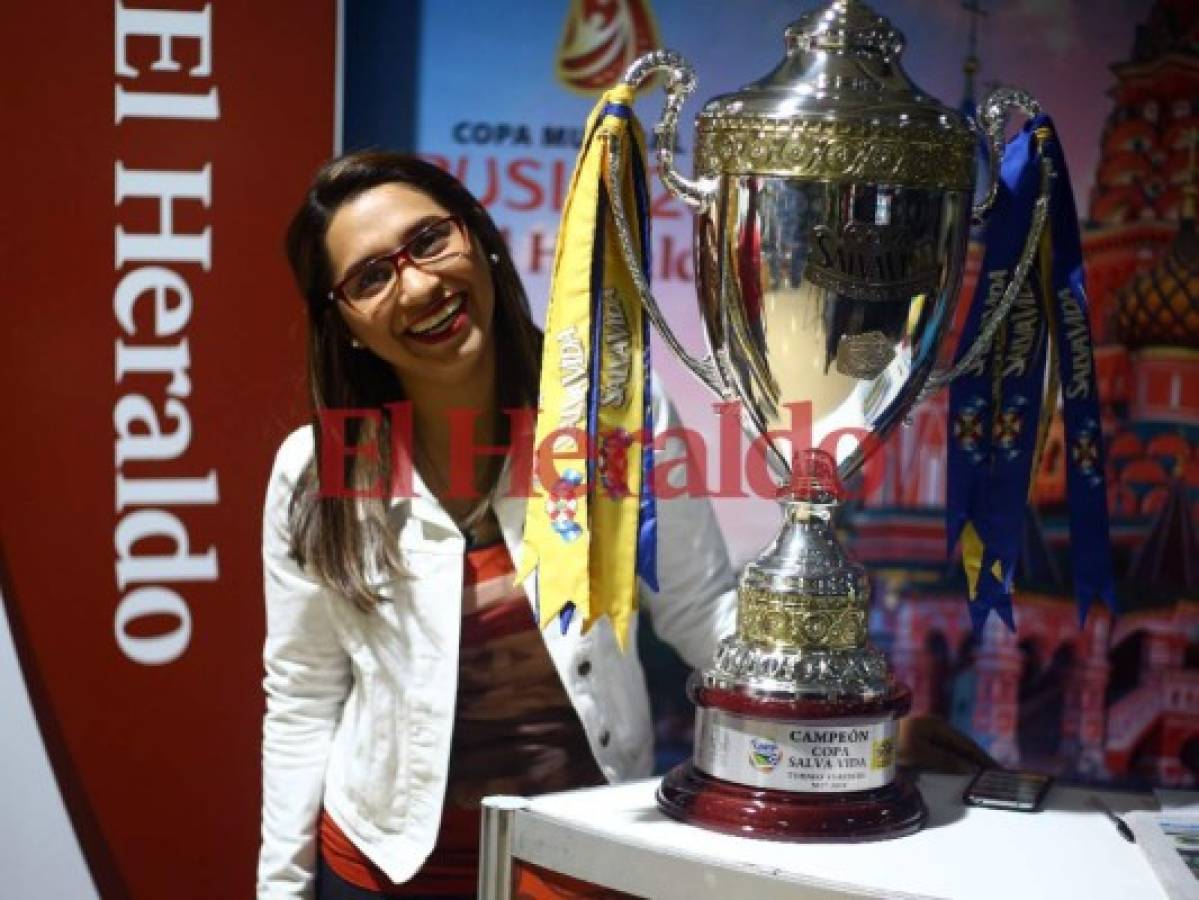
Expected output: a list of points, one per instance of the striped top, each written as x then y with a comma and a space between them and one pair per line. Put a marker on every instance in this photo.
515, 732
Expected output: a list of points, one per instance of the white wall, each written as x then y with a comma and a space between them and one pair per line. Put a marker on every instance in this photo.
39, 855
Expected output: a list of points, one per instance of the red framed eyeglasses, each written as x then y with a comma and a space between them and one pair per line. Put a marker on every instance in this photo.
438, 244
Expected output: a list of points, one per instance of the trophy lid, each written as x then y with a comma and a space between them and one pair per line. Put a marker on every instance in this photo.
839, 105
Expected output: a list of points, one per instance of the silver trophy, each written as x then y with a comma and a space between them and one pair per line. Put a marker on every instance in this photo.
833, 203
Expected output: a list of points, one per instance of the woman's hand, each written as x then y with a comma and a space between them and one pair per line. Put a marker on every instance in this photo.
931, 744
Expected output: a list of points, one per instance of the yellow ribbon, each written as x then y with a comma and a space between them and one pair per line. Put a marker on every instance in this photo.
581, 524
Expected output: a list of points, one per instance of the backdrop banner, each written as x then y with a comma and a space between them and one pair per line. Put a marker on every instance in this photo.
152, 360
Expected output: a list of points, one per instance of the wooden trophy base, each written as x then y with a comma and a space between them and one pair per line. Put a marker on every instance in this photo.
694, 797
690, 794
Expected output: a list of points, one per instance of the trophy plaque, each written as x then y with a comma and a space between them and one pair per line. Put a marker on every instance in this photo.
833, 202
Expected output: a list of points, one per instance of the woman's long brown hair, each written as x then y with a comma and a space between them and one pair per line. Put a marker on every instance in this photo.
339, 539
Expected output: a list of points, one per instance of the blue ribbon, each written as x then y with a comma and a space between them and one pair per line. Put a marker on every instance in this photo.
1090, 547
1019, 386
995, 408
972, 397
647, 514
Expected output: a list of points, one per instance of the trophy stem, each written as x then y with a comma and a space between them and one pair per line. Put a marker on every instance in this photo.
796, 717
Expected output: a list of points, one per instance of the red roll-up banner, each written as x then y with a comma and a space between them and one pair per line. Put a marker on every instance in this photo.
152, 359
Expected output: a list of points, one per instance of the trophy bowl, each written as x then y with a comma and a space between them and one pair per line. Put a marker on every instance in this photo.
833, 202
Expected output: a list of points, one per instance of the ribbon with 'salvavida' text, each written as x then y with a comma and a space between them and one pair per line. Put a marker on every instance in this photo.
1000, 408
590, 526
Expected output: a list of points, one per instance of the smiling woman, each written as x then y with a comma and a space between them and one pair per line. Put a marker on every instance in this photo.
414, 288
378, 274
406, 677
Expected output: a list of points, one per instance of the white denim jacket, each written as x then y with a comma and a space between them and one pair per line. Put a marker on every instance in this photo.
360, 706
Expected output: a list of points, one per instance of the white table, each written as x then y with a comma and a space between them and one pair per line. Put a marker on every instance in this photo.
616, 837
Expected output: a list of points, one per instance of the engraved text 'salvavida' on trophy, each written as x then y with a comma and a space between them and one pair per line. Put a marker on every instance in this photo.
833, 201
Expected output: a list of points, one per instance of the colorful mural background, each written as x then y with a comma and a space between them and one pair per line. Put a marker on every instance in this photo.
1115, 700
122, 773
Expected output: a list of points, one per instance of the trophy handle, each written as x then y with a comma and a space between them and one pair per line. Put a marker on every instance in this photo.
997, 108
705, 369
679, 83
696, 194
986, 333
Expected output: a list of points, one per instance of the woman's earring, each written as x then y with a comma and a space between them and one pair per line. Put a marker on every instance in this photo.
494, 257
355, 343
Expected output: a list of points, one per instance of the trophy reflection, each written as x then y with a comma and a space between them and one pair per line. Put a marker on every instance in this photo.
833, 202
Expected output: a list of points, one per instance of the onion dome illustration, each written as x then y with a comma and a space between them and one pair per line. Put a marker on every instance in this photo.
1161, 307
